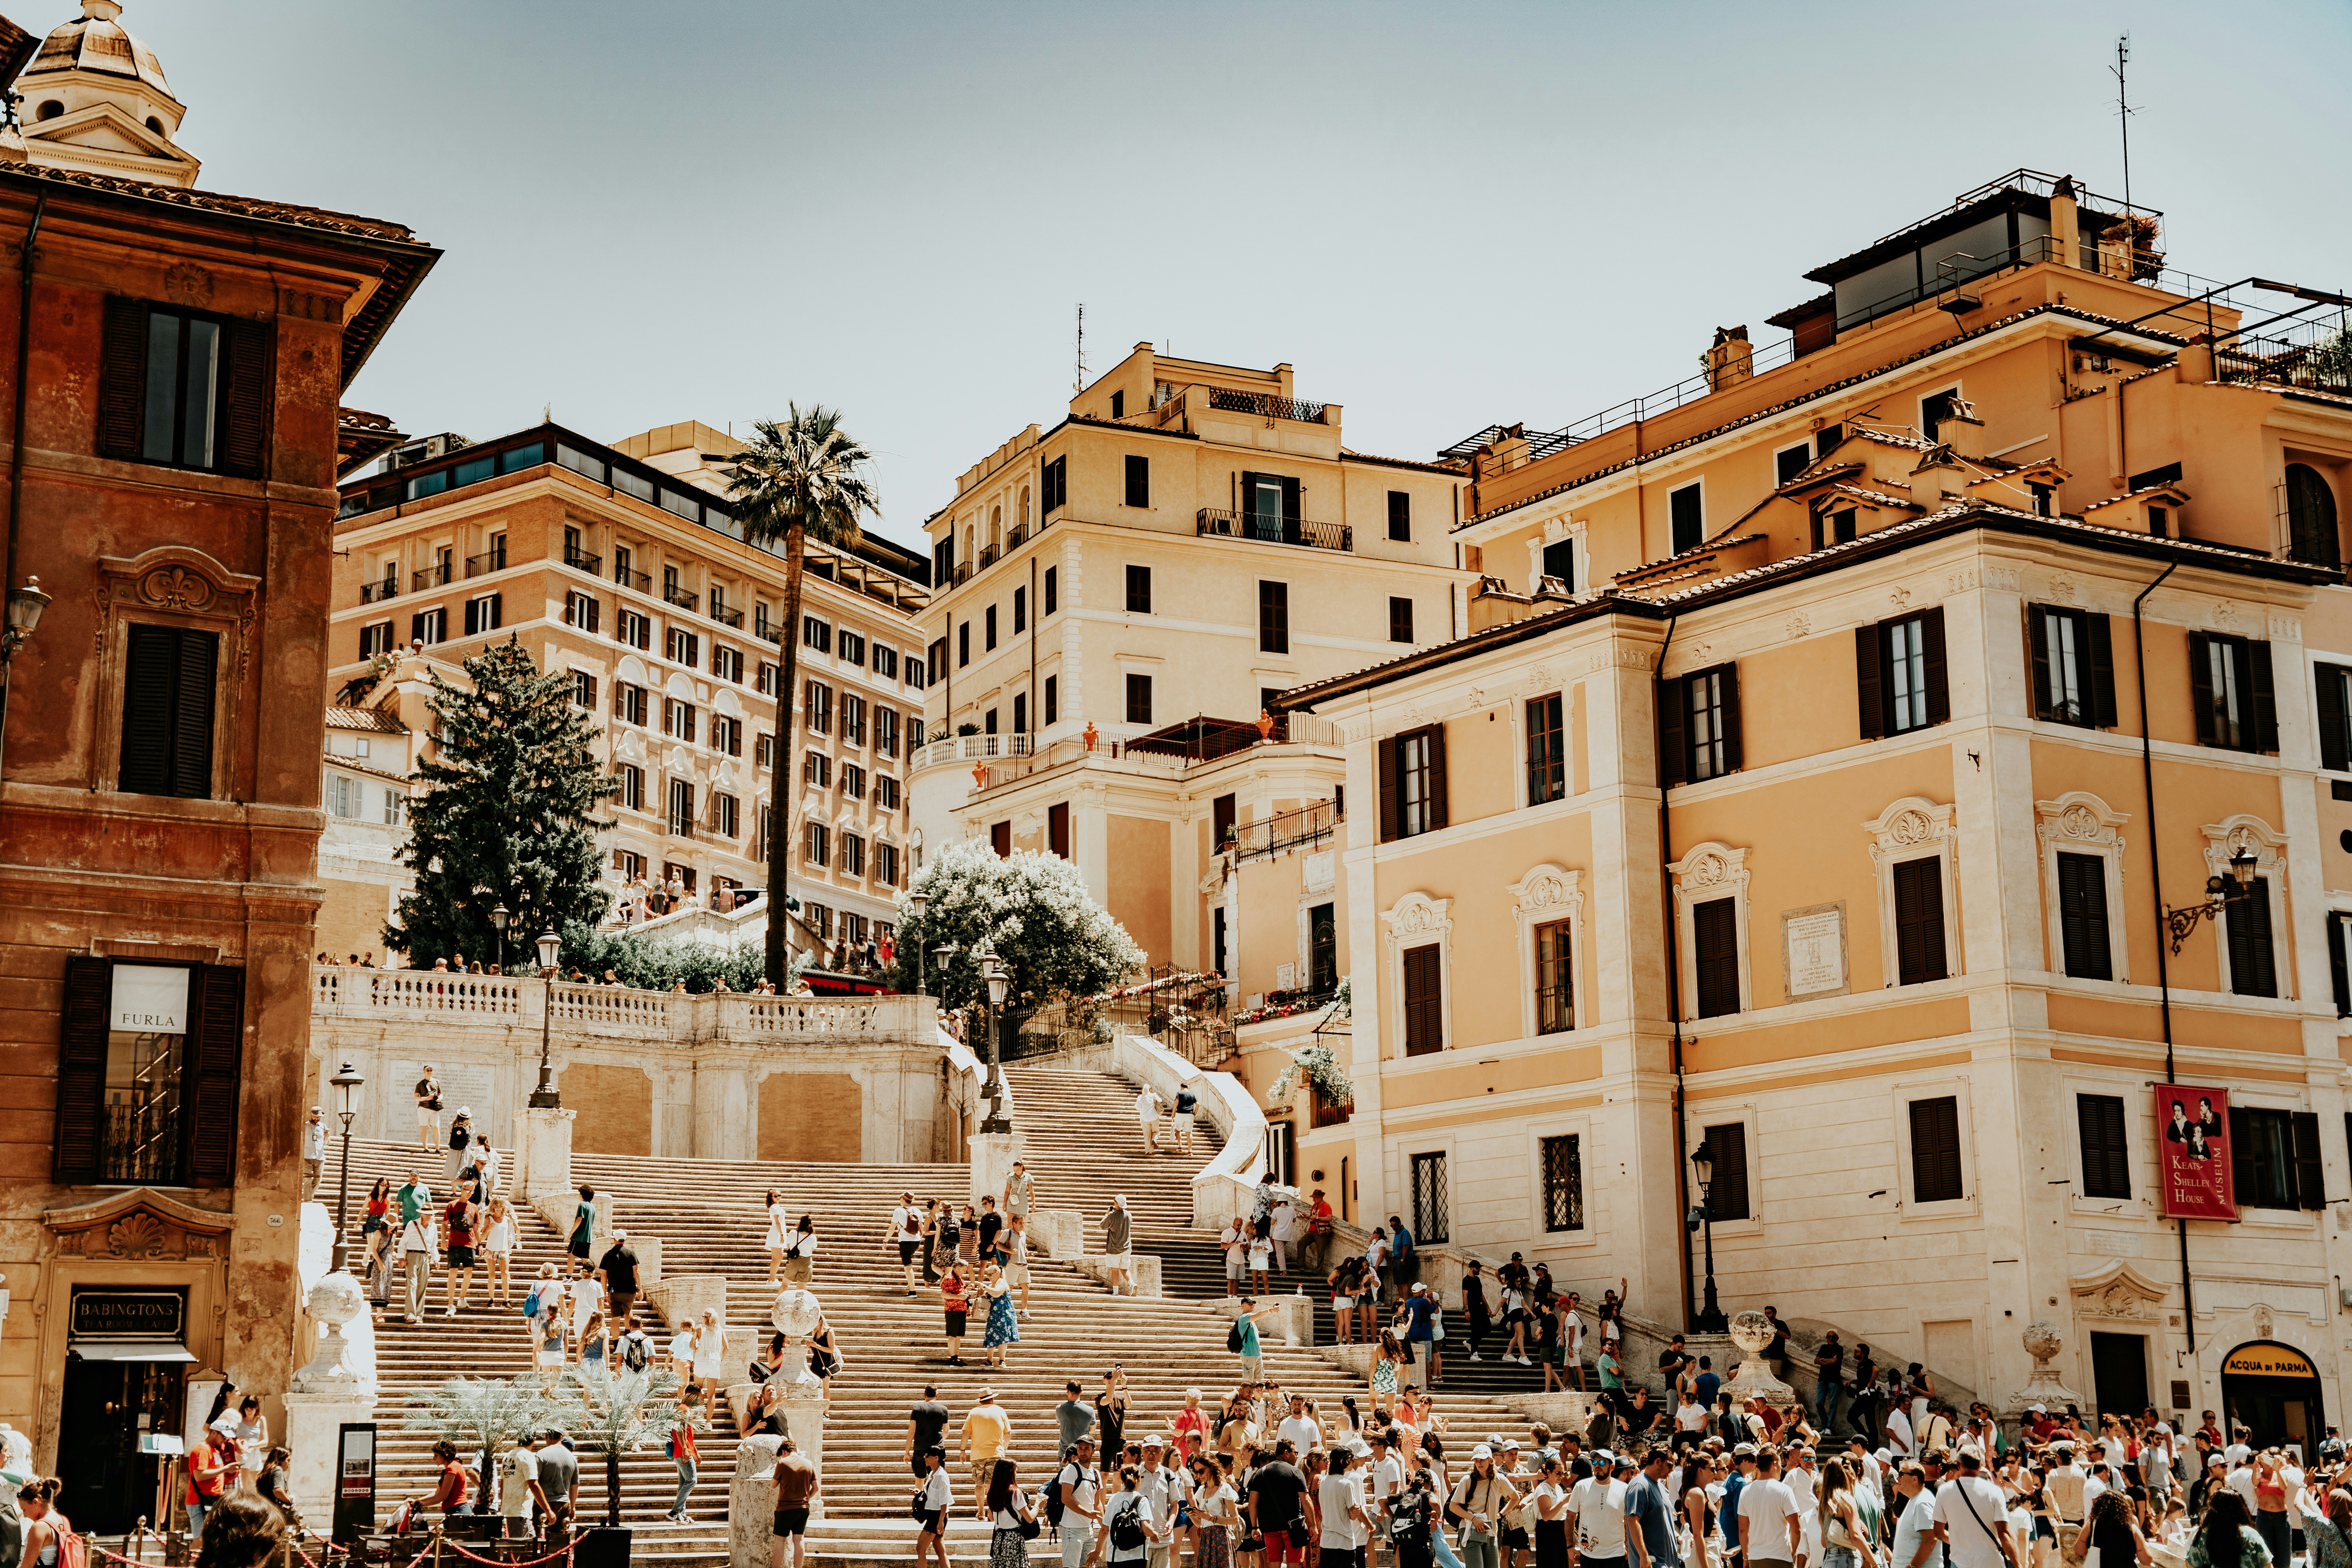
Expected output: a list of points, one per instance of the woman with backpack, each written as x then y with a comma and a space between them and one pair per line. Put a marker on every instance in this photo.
1013, 1525
800, 1252
583, 1227
1130, 1525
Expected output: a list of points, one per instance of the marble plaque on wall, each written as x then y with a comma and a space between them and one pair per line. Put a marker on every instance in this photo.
1813, 950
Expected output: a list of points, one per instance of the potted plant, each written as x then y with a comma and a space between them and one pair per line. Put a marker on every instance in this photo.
482, 1413
620, 1412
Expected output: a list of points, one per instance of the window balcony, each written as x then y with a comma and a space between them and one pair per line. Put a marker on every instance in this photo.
1265, 406
640, 581
376, 593
725, 617
1291, 830
487, 561
681, 598
1217, 524
580, 560
431, 577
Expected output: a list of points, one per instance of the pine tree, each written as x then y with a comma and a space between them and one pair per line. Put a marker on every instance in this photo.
510, 817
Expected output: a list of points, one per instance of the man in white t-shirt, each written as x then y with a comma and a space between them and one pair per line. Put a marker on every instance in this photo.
1768, 1515
1975, 1520
1914, 1525
2097, 1484
906, 1228
1596, 1510
1384, 1474
1077, 1477
1147, 1119
1300, 1428
1898, 1433
2241, 1479
1347, 1524
518, 1475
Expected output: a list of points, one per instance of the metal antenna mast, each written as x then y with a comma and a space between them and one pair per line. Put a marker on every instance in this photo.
2123, 108
1080, 384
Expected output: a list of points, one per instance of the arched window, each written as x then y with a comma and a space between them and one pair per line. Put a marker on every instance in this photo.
50, 108
2311, 517
1025, 506
996, 526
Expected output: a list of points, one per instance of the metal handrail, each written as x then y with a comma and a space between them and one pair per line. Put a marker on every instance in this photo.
431, 577
725, 617
642, 582
581, 560
1266, 405
488, 561
1218, 524
681, 598
1310, 824
371, 593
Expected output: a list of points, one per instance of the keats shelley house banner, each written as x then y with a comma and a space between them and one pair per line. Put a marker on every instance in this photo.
2192, 1152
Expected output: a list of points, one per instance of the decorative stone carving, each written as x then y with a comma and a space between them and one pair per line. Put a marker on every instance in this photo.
1898, 597
1706, 871
335, 1300
188, 284
2079, 822
1417, 914
2042, 1341
175, 588
139, 1226
1910, 827
1799, 626
1751, 1331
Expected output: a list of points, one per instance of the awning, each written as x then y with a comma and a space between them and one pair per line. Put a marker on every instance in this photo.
129, 1349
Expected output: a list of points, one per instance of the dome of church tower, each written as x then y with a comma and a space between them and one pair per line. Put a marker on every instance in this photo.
95, 99
95, 41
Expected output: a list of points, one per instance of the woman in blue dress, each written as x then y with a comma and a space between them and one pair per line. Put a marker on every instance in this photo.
1003, 1324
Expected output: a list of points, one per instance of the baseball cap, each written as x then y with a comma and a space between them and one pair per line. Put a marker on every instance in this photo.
1511, 1445
1482, 1452
1603, 1457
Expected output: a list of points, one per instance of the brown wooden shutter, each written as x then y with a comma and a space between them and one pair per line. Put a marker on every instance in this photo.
246, 388
2101, 694
214, 1052
1935, 1151
2334, 733
1931, 639
1726, 1191
1734, 742
1870, 681
81, 1071
192, 714
1386, 751
2242, 1156
2310, 1170
1424, 1001
2106, 1153
2264, 734
2253, 962
122, 379
1919, 920
2200, 687
147, 687
1715, 947
1674, 731
2037, 640
1437, 810
2082, 917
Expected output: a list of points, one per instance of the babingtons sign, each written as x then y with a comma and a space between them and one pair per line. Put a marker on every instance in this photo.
128, 1314
2192, 1153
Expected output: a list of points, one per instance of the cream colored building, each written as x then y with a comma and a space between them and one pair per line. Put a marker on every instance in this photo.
1808, 814
1120, 597
623, 566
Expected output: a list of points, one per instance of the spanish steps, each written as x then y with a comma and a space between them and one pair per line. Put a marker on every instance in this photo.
1082, 1143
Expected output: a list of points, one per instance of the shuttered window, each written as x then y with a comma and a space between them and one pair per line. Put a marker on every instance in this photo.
1399, 619
1274, 618
1900, 680
168, 692
2074, 666
1138, 699
1400, 515
1057, 828
486, 614
2107, 1154
1935, 1149
1715, 949
1546, 756
1727, 1189
2082, 917
1138, 482
1701, 724
2230, 688
1424, 1002
2275, 1159
1919, 920
1555, 980
185, 391
146, 1109
1413, 782
2329, 684
2339, 970
2254, 970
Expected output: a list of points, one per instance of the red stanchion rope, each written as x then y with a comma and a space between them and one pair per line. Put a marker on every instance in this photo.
450, 1545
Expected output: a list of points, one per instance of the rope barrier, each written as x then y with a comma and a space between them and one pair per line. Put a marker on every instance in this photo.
503, 1563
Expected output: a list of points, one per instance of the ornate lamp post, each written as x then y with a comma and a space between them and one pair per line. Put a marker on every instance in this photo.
993, 973
499, 917
1710, 1319
25, 608
347, 1085
917, 902
544, 1098
2220, 894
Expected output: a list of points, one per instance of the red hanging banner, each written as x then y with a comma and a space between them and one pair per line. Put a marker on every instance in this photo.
2193, 1152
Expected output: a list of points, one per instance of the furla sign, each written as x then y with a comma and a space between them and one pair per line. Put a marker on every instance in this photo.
148, 1000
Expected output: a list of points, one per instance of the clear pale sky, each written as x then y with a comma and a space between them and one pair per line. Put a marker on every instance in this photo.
1441, 215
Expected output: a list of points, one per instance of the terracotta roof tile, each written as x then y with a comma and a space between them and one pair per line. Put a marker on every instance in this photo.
370, 721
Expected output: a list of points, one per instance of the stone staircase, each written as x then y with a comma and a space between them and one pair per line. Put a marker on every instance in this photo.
1082, 1145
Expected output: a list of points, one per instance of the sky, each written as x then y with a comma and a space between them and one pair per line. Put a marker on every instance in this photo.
1442, 217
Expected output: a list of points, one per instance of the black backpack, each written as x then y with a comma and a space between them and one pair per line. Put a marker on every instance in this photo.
1127, 1525
636, 1351
1234, 1337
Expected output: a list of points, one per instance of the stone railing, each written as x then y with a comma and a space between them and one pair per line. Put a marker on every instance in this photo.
457, 1001
1227, 1186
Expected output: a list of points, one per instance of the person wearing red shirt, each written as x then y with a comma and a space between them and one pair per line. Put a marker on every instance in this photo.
448, 1493
682, 1449
212, 1466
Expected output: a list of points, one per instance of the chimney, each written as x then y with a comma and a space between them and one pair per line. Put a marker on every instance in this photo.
1938, 480
1729, 360
1963, 432
2065, 225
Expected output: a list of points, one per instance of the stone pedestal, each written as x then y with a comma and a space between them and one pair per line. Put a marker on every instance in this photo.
1142, 1271
992, 1155
541, 1148
752, 1502
1286, 1320
2043, 1385
682, 1298
1057, 1233
324, 1394
1751, 1331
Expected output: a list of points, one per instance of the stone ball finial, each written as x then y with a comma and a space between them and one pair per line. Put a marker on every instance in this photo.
336, 1299
1751, 1331
795, 1314
2041, 1340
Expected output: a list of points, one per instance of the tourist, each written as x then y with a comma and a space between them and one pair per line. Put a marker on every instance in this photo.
987, 1434
461, 1141
906, 1230
497, 1251
550, 1301
1388, 1370
314, 1150
967, 1247
1245, 1331
1187, 1108
1074, 1418
591, 1343
1594, 1516
270, 1482
1016, 1259
797, 1488
1006, 1507
559, 1482
1475, 1313
709, 1354
1015, 1203
417, 1247
212, 1469
428, 1109
1261, 1260
1190, 1424
450, 1486
1283, 1231
946, 1238
1075, 1486
1412, 1525
1147, 1118
250, 1429
1235, 1244
1975, 1521
1169, 1492
1111, 1412
1343, 1282
1702, 1471
991, 1229
927, 1425
584, 1229
243, 1532
519, 1489
684, 1453
1118, 1238
1130, 1525
958, 1306
933, 1503
1003, 1326
1769, 1531
1217, 1515
618, 1269
459, 1217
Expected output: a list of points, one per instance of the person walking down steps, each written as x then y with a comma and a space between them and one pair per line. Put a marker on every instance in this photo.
1118, 1231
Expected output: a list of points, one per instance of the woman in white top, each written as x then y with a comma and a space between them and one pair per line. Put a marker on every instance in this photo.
1845, 1541
1690, 1415
799, 1249
498, 1250
1006, 1507
709, 1352
587, 1301
779, 1236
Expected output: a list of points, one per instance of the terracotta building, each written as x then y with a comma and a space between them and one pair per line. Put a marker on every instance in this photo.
1884, 762
175, 367
622, 565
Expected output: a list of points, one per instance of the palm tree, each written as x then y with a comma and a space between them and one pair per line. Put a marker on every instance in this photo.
802, 479
484, 1413
622, 1411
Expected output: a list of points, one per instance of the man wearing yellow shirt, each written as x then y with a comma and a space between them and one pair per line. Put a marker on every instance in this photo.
987, 1434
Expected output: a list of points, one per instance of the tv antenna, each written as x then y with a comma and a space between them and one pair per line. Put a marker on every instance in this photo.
2124, 111
1080, 384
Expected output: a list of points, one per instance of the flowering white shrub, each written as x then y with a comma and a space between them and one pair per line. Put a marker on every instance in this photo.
1033, 907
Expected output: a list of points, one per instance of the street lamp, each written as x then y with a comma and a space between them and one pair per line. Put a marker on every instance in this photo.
2220, 892
1710, 1319
917, 902
544, 1098
993, 974
347, 1084
499, 917
25, 608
